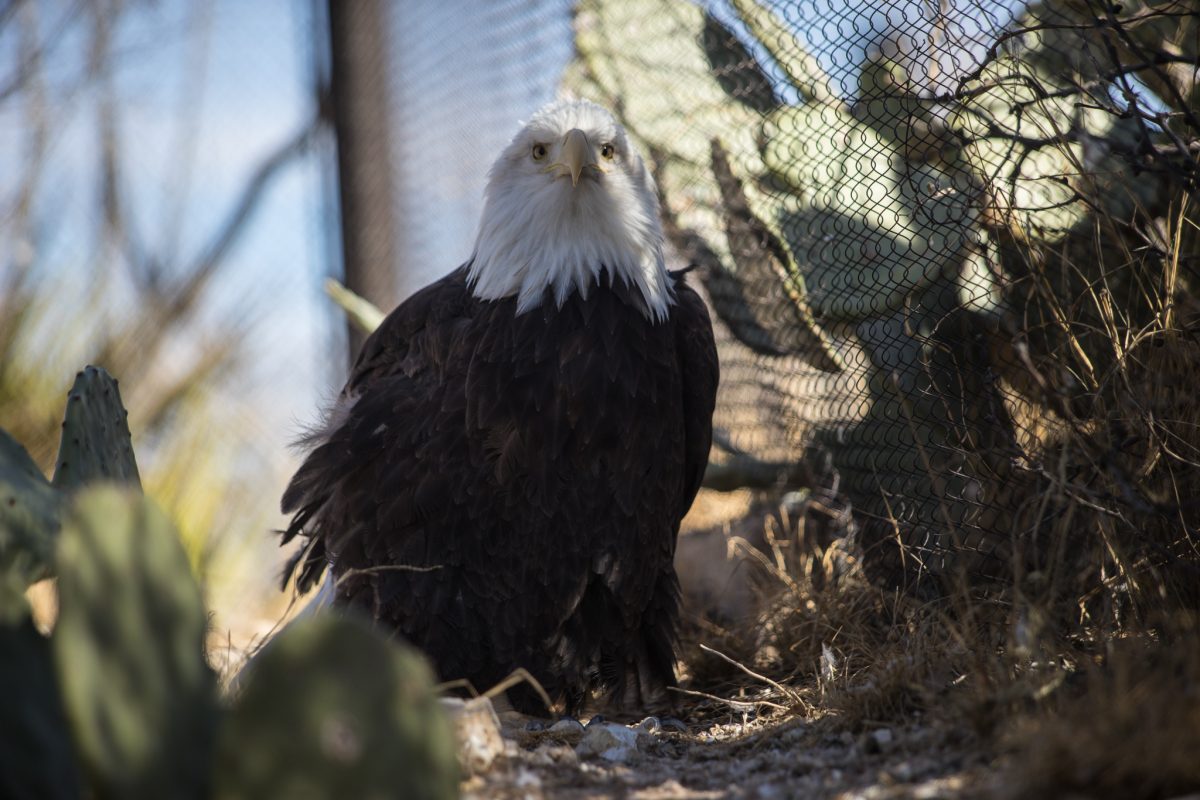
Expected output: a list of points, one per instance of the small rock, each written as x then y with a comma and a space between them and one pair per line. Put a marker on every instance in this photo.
608, 741
550, 754
567, 725
527, 779
477, 731
794, 734
670, 789
877, 741
534, 726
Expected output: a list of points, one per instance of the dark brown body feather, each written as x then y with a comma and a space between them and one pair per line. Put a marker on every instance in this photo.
539, 464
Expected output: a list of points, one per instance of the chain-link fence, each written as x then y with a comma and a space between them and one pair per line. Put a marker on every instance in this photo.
948, 245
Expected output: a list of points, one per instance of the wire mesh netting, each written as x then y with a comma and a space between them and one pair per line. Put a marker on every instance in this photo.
838, 242
937, 238
463, 78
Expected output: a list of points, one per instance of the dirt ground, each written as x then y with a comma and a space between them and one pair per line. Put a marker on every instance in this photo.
767, 759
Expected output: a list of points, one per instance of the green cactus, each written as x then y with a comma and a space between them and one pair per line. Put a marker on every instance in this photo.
29, 514
797, 66
36, 757
119, 701
330, 709
95, 440
128, 650
95, 446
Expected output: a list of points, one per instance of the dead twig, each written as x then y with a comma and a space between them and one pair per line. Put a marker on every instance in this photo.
783, 690
740, 706
518, 675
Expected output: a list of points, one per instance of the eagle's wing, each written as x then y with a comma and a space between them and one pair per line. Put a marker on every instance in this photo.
700, 371
411, 347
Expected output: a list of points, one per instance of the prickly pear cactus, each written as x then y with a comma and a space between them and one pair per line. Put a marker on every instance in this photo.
95, 440
36, 756
128, 650
119, 702
29, 517
330, 709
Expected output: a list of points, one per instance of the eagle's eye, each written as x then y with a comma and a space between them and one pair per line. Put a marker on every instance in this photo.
608, 151
539, 152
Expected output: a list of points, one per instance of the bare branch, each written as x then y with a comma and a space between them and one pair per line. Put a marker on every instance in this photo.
749, 473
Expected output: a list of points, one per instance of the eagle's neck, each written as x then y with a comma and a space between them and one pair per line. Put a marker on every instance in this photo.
536, 247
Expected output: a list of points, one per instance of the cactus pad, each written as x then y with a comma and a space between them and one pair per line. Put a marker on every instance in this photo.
128, 650
331, 709
95, 438
29, 519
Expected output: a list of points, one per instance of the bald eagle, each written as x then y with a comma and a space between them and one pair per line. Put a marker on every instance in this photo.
501, 480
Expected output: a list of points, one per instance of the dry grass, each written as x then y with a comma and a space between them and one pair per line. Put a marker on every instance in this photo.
1089, 714
1078, 675
1130, 729
822, 639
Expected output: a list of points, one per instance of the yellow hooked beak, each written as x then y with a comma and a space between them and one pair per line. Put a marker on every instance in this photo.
576, 155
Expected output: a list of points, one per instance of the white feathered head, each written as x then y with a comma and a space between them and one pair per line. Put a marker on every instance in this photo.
567, 198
